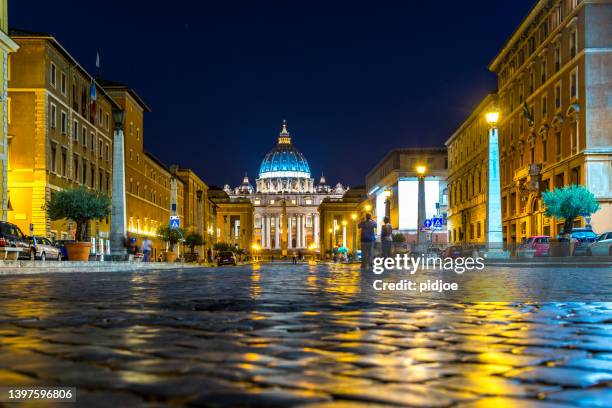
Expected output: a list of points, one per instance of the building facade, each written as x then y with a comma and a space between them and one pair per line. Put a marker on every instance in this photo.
58, 136
285, 200
196, 207
339, 220
554, 92
392, 188
7, 45
468, 165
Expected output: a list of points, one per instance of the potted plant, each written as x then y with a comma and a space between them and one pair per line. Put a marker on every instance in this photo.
171, 236
568, 203
81, 206
192, 240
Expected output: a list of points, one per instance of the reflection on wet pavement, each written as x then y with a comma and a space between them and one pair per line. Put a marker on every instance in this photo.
306, 335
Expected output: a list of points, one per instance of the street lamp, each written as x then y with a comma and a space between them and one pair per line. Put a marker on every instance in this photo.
118, 216
421, 170
354, 218
368, 207
494, 218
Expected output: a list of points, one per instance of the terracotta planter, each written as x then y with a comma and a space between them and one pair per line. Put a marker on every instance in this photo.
78, 251
170, 256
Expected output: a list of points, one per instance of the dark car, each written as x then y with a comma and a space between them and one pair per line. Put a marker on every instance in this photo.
453, 251
11, 236
61, 245
583, 237
226, 258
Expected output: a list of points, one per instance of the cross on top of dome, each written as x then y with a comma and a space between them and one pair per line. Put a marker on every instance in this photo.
284, 137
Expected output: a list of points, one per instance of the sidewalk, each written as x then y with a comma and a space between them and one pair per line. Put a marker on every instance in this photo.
36, 267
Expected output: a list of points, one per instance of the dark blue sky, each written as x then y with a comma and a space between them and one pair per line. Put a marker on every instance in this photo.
353, 79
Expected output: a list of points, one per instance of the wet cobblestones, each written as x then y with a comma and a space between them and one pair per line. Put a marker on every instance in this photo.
310, 336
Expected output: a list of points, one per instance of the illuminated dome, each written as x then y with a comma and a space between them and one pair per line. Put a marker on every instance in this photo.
284, 161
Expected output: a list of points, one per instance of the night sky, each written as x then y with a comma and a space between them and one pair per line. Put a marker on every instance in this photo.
353, 79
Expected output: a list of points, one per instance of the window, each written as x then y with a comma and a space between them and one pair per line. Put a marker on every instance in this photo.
63, 84
574, 84
558, 96
100, 116
64, 123
84, 167
84, 136
531, 81
544, 106
53, 75
64, 162
53, 156
575, 175
557, 57
107, 152
75, 168
543, 72
574, 137
100, 148
532, 154
573, 43
100, 177
92, 172
106, 121
92, 138
75, 131
53, 116
108, 176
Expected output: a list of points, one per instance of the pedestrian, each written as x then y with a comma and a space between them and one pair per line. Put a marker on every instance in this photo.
294, 259
386, 237
209, 255
146, 249
368, 236
300, 256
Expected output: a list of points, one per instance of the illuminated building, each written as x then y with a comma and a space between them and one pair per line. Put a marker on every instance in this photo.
285, 200
7, 45
392, 187
57, 138
196, 207
467, 176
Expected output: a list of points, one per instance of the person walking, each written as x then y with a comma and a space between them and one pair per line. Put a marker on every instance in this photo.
368, 236
146, 249
386, 237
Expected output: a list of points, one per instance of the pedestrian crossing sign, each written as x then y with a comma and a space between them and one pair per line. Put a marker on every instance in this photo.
175, 222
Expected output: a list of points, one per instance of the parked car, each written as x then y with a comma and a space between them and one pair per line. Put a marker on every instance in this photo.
61, 245
11, 236
582, 238
226, 258
453, 251
602, 245
41, 248
538, 245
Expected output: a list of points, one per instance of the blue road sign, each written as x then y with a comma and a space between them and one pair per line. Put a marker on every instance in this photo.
437, 222
175, 222
427, 223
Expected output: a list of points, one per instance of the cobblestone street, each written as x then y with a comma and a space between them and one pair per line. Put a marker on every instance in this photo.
309, 335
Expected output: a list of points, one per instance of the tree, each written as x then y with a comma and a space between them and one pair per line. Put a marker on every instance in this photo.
81, 206
194, 239
170, 235
224, 247
569, 202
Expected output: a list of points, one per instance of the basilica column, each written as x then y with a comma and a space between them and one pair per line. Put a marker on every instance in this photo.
304, 231
298, 230
262, 230
315, 229
277, 231
289, 237
268, 234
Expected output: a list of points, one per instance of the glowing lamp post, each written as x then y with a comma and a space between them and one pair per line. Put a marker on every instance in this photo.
344, 233
354, 218
331, 245
494, 218
421, 170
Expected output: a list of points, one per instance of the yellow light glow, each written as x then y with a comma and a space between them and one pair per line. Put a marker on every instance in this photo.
312, 247
387, 193
368, 207
344, 223
255, 247
492, 118
421, 170
353, 216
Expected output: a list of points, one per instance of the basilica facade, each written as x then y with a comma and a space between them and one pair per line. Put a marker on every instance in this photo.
285, 200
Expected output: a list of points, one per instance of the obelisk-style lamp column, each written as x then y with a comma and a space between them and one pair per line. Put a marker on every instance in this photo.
118, 217
421, 170
494, 218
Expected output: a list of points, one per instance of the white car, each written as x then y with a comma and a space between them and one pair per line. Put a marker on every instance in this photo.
602, 245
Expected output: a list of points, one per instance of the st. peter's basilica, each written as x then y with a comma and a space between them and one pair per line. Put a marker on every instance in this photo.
286, 199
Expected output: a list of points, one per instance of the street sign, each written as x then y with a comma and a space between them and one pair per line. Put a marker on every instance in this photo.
437, 222
427, 223
175, 222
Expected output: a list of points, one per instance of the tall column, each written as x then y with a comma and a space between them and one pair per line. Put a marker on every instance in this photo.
118, 217
268, 228
344, 234
315, 229
421, 213
494, 218
289, 237
304, 241
298, 229
277, 231
262, 230
199, 194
